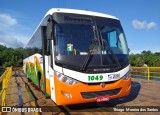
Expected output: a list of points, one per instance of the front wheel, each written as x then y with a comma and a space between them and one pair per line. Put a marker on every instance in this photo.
40, 83
29, 80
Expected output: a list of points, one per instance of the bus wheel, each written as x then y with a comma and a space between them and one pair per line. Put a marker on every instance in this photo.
39, 81
40, 84
29, 80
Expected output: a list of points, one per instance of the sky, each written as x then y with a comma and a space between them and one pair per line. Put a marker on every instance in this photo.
140, 19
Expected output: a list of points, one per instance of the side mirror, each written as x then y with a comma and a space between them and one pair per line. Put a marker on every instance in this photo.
129, 50
50, 32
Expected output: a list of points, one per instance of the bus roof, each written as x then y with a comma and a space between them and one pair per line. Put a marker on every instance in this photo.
75, 11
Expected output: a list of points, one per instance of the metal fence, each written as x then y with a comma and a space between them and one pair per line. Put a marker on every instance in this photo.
4, 79
146, 72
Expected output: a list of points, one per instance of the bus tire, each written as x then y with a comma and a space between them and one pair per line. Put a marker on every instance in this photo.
39, 80
29, 80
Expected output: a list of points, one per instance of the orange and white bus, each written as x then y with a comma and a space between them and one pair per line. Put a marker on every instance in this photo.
78, 56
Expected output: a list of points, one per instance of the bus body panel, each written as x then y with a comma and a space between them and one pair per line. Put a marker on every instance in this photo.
34, 65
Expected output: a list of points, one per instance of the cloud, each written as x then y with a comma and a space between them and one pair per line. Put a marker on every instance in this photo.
143, 24
151, 25
10, 41
12, 33
6, 22
7, 19
1, 43
139, 25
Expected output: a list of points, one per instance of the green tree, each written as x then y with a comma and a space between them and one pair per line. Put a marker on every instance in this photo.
146, 57
10, 56
132, 60
139, 60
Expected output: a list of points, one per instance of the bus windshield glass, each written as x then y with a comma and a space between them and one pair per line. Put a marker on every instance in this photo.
78, 35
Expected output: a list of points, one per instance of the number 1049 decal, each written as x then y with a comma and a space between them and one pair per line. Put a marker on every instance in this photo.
95, 78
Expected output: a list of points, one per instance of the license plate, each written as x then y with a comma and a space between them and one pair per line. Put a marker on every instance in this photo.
103, 98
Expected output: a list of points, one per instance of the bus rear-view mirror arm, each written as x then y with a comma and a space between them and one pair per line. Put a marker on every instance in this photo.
129, 50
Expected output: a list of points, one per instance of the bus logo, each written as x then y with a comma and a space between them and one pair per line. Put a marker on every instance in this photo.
103, 85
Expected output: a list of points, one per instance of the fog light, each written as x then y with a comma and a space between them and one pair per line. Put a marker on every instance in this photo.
67, 94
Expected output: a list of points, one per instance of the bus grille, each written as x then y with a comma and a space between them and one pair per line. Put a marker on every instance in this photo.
90, 84
88, 95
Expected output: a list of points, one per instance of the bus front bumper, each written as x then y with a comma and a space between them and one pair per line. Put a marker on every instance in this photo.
83, 93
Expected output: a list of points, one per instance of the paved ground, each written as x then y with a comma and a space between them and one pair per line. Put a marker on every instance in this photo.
143, 93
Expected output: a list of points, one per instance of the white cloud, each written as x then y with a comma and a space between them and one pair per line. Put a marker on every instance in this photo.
1, 43
10, 41
151, 25
143, 24
12, 34
7, 19
138, 24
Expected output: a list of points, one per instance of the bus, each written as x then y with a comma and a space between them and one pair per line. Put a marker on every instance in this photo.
78, 56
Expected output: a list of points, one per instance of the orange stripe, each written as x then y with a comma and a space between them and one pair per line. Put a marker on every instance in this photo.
37, 61
48, 86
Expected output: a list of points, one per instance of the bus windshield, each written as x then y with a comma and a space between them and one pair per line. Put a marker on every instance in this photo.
77, 35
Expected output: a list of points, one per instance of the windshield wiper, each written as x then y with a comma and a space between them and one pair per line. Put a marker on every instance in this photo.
91, 49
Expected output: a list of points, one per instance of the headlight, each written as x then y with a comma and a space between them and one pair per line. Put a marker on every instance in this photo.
66, 79
127, 75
